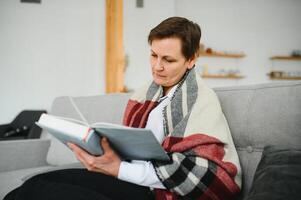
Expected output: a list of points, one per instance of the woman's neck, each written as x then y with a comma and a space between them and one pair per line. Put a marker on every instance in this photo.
166, 90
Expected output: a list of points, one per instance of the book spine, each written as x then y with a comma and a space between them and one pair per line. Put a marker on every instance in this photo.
85, 136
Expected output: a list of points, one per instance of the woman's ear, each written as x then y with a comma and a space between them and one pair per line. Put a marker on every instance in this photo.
192, 61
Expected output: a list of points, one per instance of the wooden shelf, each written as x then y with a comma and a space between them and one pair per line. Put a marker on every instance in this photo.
224, 55
223, 76
298, 58
285, 78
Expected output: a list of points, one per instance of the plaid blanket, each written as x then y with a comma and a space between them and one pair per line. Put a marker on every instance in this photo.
204, 163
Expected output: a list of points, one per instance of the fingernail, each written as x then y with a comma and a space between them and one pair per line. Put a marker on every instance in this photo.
69, 145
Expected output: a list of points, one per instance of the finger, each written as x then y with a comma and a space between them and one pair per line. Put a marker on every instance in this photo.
82, 155
105, 145
79, 151
82, 160
88, 162
72, 146
76, 151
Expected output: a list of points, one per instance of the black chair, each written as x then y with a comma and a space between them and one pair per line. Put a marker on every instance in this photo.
23, 126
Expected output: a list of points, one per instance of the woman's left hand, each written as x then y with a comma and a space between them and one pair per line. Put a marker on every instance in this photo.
108, 163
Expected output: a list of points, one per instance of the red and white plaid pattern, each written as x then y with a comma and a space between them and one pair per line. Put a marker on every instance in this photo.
204, 163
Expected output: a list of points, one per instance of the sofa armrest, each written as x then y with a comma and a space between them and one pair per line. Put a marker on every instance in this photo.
21, 154
3, 129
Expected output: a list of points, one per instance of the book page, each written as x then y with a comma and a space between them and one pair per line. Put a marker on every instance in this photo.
67, 131
108, 125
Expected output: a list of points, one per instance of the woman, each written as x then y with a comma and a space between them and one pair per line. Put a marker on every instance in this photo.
184, 115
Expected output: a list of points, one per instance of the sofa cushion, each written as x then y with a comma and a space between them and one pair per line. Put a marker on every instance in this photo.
278, 175
59, 154
249, 158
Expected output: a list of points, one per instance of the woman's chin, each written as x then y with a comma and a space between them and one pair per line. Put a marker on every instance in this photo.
159, 82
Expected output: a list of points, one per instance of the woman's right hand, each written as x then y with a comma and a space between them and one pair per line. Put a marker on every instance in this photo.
108, 163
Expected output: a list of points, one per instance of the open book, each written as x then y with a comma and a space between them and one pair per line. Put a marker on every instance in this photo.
129, 143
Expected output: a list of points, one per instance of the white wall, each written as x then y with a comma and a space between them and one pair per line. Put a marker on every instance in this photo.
47, 50
57, 47
137, 24
258, 28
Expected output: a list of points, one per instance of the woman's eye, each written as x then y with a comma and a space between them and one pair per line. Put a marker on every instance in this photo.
170, 61
154, 55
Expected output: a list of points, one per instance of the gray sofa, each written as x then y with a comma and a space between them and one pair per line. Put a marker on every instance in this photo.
258, 115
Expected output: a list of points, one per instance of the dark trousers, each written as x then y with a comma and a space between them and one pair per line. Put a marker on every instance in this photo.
78, 184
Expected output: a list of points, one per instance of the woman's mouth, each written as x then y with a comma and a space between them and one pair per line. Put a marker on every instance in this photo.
159, 75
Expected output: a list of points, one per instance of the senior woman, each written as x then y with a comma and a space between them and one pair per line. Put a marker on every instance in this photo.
185, 117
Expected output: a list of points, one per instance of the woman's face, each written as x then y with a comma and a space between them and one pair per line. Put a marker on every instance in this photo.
168, 63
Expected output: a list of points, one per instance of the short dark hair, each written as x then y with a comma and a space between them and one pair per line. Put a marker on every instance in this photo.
187, 31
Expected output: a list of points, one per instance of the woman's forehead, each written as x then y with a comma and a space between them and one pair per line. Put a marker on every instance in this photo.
167, 46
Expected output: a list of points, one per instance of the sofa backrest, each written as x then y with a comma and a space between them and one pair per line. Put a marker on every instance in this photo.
258, 115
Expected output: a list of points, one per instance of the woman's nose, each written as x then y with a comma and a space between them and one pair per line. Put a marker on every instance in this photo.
158, 65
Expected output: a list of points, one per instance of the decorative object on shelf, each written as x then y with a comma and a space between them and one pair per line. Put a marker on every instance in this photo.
296, 53
223, 76
285, 75
223, 73
276, 74
297, 58
282, 75
209, 52
222, 54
